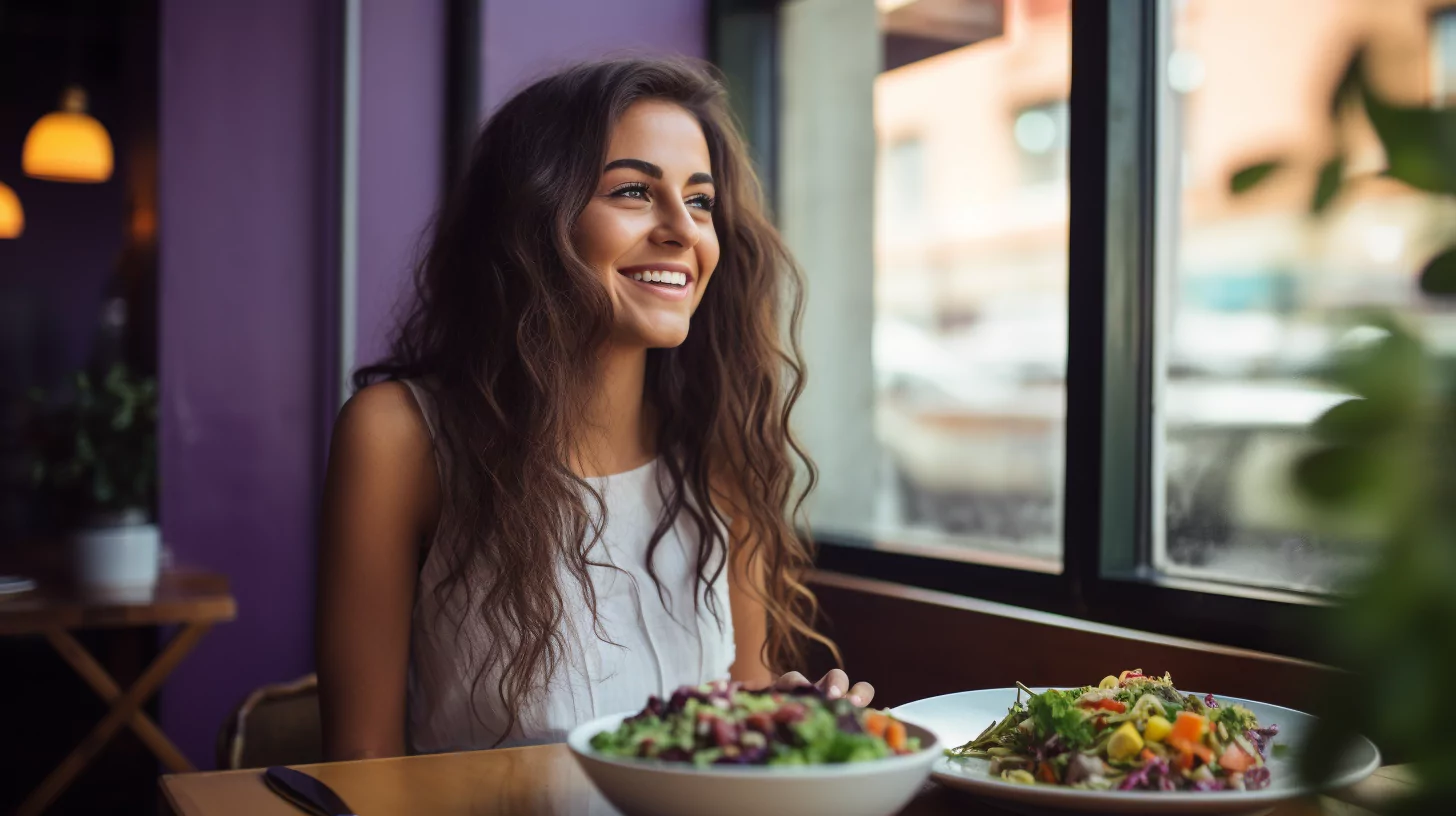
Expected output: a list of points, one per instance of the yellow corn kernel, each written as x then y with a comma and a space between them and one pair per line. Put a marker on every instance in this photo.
1024, 777
1125, 742
1158, 728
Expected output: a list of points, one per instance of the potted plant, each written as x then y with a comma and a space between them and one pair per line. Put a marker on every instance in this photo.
96, 461
1389, 454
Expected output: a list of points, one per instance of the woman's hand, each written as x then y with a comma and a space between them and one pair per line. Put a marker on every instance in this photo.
835, 684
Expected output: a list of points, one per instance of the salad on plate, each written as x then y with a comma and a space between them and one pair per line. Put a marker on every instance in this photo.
724, 724
1129, 732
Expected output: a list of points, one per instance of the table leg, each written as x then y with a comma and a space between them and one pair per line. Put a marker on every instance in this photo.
98, 678
123, 709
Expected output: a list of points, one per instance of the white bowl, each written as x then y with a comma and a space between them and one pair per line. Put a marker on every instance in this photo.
645, 787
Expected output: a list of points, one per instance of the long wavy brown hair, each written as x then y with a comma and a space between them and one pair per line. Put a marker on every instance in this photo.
505, 330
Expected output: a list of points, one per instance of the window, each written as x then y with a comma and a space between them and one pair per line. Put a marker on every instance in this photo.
962, 382
1443, 56
1054, 361
1041, 140
902, 198
1255, 294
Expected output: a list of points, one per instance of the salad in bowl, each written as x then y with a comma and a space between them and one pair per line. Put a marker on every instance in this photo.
1129, 732
725, 724
724, 749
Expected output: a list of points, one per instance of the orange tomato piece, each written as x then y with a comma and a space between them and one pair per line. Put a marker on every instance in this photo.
1235, 759
876, 723
895, 735
1190, 726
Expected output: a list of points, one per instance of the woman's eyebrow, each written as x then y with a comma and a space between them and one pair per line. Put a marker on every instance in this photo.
650, 169
635, 164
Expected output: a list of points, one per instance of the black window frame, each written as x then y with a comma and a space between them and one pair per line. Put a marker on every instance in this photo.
1107, 574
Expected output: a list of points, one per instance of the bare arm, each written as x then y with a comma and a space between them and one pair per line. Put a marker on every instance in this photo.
750, 624
750, 620
381, 500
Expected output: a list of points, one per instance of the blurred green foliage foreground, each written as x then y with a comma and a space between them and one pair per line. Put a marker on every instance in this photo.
1388, 455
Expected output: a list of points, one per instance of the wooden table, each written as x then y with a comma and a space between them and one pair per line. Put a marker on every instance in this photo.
193, 600
539, 780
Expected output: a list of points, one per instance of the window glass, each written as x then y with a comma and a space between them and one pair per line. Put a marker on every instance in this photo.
1254, 294
968, 319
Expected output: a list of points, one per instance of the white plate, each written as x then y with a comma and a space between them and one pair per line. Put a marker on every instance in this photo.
644, 787
959, 718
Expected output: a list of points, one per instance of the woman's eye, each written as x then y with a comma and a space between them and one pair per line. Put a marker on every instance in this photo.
633, 191
702, 201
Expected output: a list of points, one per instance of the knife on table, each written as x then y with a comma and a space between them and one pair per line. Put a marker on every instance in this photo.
306, 792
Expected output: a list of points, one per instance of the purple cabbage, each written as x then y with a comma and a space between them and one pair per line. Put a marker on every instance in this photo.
1209, 785
1261, 737
1209, 701
849, 723
1051, 748
1256, 778
1153, 775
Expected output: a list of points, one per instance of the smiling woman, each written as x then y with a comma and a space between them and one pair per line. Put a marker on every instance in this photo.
571, 484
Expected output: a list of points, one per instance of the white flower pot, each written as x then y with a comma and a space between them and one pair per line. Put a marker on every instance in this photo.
120, 553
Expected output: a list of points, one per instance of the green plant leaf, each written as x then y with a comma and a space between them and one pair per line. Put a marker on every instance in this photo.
1391, 369
1331, 179
1250, 177
1336, 474
1420, 143
1356, 421
1439, 276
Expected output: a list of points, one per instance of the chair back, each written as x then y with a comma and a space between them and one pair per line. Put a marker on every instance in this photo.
277, 724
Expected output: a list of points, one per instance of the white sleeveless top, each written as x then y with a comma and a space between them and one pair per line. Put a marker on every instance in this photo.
657, 644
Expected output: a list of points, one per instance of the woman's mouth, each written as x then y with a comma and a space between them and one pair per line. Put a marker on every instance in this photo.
670, 281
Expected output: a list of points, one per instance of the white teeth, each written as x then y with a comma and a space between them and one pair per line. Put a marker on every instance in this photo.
661, 276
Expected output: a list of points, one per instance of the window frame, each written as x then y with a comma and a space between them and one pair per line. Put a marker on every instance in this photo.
1107, 531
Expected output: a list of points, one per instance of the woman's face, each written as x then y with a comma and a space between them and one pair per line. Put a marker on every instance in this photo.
649, 227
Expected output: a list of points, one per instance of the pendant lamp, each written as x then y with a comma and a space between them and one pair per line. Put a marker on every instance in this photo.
12, 217
68, 145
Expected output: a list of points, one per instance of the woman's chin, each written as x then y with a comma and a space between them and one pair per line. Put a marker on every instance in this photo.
654, 337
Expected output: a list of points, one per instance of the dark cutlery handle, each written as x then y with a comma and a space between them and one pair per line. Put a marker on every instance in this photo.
307, 793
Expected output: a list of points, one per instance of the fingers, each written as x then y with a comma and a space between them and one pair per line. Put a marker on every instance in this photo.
861, 694
791, 681
835, 684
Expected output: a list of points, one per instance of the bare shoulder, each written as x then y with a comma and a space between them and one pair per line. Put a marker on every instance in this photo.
382, 454
384, 414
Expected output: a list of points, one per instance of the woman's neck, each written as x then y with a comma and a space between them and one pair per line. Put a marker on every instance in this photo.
619, 436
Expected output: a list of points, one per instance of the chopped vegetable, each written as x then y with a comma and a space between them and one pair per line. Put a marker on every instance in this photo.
1125, 742
721, 723
1235, 760
1157, 729
895, 736
1130, 732
1190, 726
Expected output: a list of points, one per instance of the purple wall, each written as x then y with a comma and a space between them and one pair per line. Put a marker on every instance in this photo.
401, 128
245, 131
525, 40
248, 258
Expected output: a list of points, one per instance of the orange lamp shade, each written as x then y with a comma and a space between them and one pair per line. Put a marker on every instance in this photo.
12, 217
68, 145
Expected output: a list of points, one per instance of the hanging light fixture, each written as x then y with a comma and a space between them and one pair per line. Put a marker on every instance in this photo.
12, 217
68, 145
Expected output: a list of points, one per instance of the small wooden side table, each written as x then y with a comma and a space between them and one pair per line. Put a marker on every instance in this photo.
195, 600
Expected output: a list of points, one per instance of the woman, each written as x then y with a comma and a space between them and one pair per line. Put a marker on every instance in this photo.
570, 484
